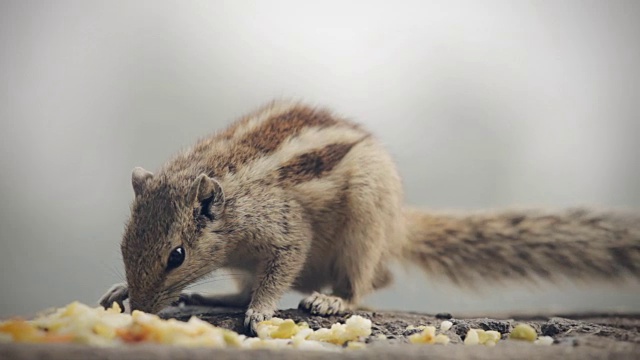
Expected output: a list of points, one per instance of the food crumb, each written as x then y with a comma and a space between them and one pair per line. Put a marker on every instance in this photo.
544, 340
523, 332
446, 325
471, 338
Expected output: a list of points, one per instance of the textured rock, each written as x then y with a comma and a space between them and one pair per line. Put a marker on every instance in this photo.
567, 330
581, 337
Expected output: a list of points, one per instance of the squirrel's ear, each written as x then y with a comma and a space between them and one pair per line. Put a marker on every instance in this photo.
206, 190
139, 178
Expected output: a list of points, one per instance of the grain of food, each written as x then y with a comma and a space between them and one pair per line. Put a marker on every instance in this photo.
523, 332
445, 325
544, 340
471, 338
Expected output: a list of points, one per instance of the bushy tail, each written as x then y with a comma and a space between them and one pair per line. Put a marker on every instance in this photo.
578, 244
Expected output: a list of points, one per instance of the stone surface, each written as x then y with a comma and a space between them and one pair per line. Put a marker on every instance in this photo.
586, 336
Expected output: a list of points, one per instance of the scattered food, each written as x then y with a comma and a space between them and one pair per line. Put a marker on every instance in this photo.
428, 336
82, 324
482, 337
355, 329
79, 323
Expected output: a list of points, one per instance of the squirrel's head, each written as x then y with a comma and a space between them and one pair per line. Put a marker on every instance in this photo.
172, 238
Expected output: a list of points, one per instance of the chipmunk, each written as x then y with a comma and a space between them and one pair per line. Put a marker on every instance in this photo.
294, 197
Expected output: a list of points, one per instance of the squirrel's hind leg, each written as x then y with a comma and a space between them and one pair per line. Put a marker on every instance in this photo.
358, 269
323, 304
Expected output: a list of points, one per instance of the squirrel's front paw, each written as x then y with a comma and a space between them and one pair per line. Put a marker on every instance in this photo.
253, 318
321, 304
117, 293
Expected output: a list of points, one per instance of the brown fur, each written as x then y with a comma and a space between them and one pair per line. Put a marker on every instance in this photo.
292, 197
582, 244
268, 137
314, 164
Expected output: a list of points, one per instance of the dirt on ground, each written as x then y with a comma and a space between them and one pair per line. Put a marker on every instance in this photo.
576, 336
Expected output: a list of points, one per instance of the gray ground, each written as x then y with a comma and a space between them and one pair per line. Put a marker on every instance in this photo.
587, 336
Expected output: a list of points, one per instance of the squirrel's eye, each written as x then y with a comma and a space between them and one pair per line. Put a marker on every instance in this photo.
176, 258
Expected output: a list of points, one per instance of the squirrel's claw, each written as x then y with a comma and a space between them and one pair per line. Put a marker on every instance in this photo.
253, 318
321, 304
117, 293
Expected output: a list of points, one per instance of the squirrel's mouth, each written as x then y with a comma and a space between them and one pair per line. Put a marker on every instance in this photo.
136, 303
154, 304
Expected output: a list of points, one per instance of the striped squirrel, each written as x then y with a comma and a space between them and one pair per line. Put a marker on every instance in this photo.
295, 197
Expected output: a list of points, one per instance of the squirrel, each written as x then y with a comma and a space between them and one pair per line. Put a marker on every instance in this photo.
292, 196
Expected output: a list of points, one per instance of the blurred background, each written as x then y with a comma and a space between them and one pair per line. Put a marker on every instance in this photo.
484, 104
